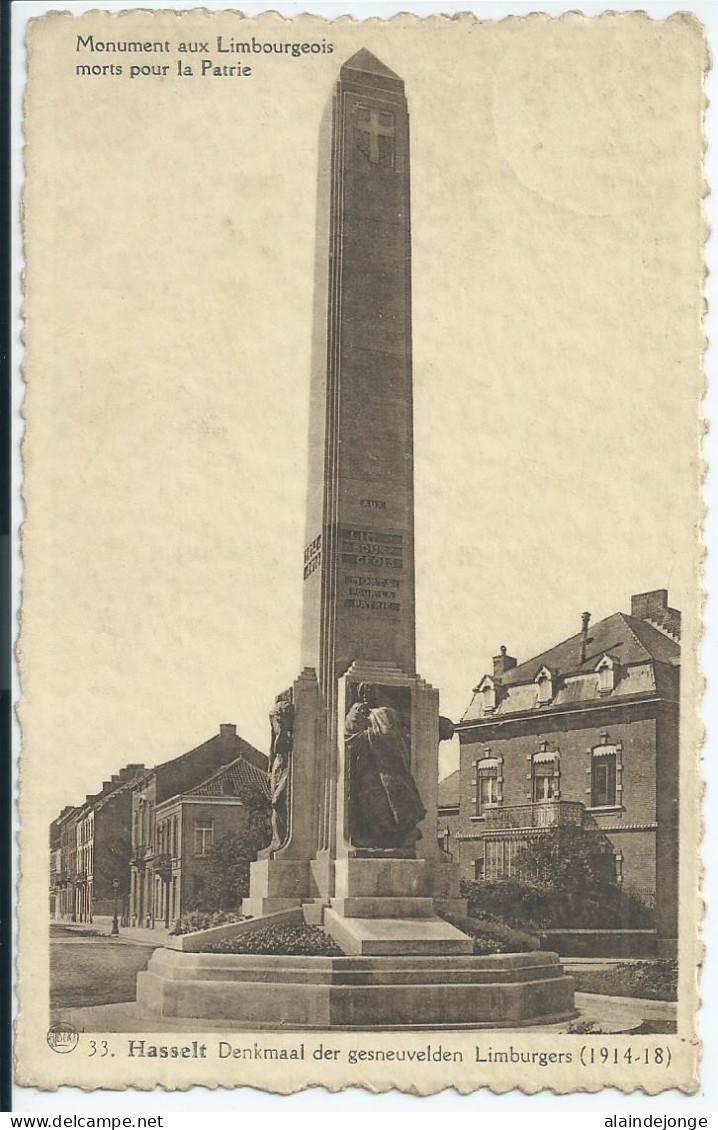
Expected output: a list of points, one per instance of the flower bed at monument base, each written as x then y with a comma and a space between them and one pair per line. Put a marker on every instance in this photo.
196, 920
491, 936
306, 941
199, 941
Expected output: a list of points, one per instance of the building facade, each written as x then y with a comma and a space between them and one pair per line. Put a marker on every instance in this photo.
158, 843
55, 866
104, 843
64, 876
189, 825
90, 851
584, 734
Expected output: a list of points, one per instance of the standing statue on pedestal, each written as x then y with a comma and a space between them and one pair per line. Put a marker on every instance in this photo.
384, 802
281, 718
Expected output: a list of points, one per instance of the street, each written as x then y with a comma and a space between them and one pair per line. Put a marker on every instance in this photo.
88, 970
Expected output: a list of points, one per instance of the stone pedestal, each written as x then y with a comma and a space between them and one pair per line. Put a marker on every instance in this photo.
371, 900
383, 992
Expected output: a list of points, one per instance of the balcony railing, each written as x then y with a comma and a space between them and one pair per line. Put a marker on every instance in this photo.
544, 814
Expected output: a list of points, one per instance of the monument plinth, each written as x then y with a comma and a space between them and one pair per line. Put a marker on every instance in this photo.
354, 747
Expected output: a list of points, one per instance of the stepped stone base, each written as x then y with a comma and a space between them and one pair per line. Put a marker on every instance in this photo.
503, 990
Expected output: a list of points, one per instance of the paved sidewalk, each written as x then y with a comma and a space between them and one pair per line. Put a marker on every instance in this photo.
102, 924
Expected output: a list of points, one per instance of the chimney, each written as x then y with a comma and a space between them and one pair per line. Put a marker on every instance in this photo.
503, 662
653, 607
227, 730
585, 621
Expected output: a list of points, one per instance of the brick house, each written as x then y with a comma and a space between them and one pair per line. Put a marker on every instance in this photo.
104, 841
90, 847
585, 733
64, 876
56, 864
149, 863
189, 825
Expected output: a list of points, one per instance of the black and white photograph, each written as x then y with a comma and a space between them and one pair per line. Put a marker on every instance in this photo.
361, 552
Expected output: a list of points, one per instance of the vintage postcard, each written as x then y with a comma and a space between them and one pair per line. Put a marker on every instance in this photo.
362, 552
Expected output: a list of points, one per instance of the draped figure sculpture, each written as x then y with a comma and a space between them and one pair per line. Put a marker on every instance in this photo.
281, 719
384, 802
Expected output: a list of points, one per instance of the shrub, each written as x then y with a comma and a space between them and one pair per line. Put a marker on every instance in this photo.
527, 905
652, 980
309, 941
204, 920
566, 858
494, 937
223, 879
517, 904
563, 878
584, 1028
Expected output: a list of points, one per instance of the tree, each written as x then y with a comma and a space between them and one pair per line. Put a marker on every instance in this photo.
568, 859
225, 873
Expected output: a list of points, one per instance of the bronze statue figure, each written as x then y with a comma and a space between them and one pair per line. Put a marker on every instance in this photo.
281, 719
384, 802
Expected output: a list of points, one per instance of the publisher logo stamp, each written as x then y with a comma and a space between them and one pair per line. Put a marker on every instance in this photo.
62, 1038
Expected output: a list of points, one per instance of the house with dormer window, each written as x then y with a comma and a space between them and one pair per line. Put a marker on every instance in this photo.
584, 734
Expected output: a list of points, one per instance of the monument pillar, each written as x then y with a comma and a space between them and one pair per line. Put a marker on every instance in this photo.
371, 793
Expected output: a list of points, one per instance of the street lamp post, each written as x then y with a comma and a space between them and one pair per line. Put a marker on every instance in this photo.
115, 924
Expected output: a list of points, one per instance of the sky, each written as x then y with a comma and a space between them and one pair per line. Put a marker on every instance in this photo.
555, 336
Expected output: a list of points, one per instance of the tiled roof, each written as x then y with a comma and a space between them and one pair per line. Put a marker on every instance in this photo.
628, 640
238, 746
237, 779
448, 796
180, 774
647, 660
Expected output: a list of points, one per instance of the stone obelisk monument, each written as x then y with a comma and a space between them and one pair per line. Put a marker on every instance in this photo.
353, 756
359, 832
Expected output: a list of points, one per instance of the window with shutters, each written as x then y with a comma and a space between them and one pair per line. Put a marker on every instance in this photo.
604, 787
488, 784
603, 780
545, 767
